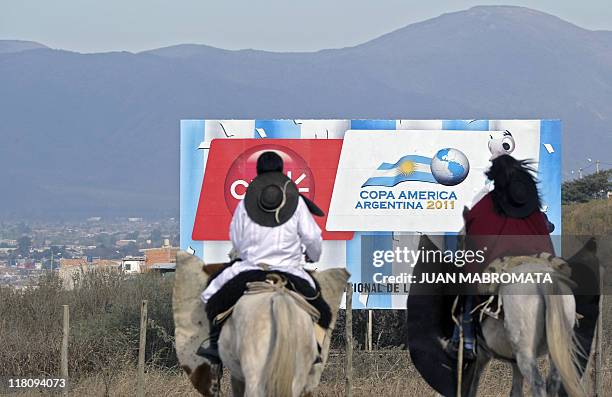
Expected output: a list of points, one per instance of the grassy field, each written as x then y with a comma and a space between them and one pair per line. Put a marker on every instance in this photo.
592, 218
387, 373
104, 311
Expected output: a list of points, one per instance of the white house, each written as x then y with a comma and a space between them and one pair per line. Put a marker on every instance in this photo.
133, 264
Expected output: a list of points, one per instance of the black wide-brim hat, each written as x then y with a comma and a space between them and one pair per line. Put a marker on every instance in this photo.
272, 198
521, 196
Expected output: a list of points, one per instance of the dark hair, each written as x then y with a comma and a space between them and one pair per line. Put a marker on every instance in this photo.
269, 162
503, 170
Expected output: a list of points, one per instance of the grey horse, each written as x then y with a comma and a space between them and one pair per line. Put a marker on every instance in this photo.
538, 320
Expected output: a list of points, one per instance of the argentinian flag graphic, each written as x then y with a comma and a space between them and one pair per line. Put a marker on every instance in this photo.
407, 168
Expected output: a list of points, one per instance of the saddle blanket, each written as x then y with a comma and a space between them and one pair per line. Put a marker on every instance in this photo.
231, 291
506, 264
218, 280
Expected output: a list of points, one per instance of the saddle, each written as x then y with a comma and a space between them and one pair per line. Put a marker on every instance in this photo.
489, 303
276, 282
505, 264
219, 306
273, 282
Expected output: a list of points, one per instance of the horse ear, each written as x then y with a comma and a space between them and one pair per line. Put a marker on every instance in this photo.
587, 254
461, 239
591, 245
426, 244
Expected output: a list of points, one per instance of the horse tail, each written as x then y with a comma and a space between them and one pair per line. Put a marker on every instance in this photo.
562, 344
281, 357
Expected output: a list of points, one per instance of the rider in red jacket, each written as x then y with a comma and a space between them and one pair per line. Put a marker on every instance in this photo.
505, 222
485, 223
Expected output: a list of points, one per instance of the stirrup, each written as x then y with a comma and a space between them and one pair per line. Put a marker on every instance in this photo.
452, 351
470, 354
209, 353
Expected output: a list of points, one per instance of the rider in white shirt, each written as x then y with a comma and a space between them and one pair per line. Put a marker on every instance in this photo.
271, 229
278, 247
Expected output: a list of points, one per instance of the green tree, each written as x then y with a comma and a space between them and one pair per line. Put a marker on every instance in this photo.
590, 187
24, 244
156, 237
130, 249
106, 239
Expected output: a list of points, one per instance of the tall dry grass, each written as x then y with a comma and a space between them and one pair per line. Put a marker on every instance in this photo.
592, 218
104, 324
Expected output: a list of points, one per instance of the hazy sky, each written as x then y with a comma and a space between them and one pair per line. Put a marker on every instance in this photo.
277, 25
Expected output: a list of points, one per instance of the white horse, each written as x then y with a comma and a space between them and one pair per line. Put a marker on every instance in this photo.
537, 320
268, 344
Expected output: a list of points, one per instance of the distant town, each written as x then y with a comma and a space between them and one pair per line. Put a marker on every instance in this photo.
131, 245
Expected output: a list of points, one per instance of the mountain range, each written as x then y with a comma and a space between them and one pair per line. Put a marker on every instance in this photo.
98, 133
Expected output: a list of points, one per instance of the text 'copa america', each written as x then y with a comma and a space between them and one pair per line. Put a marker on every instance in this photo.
406, 199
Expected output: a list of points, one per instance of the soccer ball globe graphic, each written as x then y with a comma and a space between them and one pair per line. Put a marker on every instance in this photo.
450, 166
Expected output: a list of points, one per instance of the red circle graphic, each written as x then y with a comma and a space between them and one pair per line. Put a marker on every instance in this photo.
244, 169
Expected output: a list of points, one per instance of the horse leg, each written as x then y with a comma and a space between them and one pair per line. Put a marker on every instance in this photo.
237, 387
525, 328
528, 366
244, 353
517, 382
553, 383
482, 359
253, 355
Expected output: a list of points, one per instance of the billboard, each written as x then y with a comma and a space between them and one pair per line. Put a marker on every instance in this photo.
382, 178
